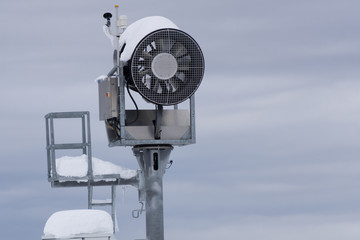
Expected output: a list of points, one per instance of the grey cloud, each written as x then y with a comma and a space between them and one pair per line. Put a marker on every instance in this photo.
277, 116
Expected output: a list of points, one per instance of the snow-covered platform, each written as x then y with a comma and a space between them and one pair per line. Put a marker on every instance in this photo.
73, 171
79, 224
83, 170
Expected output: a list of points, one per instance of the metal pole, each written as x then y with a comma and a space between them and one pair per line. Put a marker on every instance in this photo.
48, 147
52, 145
90, 195
89, 152
152, 161
120, 76
192, 118
83, 133
113, 207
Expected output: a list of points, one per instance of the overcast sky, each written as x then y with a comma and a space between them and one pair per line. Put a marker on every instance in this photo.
278, 117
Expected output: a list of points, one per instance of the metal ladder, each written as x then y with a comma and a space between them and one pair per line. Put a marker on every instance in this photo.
85, 145
108, 202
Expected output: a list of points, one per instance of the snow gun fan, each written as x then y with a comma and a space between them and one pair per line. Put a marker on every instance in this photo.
166, 67
162, 63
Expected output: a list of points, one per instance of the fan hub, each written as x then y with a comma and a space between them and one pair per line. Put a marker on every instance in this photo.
164, 66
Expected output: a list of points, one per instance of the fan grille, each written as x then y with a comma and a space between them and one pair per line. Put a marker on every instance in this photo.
167, 66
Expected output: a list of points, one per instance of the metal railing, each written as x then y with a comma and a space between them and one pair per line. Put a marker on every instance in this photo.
52, 146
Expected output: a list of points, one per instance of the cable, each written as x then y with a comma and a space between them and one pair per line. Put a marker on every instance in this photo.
170, 164
113, 124
108, 125
136, 106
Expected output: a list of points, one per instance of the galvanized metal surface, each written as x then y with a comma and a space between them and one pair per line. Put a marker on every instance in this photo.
52, 146
157, 130
108, 98
177, 126
85, 145
89, 181
111, 203
152, 161
174, 125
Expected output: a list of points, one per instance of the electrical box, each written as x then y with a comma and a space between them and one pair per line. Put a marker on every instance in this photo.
108, 98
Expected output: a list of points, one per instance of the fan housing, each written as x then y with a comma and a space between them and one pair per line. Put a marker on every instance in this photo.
166, 67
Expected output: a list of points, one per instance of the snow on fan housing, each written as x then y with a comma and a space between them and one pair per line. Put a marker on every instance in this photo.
164, 64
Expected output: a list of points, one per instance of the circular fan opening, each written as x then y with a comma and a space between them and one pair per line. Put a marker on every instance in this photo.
167, 67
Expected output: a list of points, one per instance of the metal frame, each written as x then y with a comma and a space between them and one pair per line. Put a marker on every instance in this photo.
92, 203
188, 138
85, 145
51, 146
89, 180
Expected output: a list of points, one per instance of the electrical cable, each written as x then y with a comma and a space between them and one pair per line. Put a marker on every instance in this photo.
136, 106
112, 124
170, 164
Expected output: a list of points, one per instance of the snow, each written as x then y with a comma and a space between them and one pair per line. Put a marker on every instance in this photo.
66, 224
138, 30
101, 78
78, 166
107, 32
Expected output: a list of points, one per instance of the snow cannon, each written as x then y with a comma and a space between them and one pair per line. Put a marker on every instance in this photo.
162, 63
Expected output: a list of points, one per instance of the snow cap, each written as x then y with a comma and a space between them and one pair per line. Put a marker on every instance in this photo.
77, 166
66, 224
138, 30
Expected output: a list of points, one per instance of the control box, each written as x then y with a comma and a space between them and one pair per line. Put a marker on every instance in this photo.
108, 98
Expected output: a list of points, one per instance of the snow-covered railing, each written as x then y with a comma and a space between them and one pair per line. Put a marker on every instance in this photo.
81, 170
52, 146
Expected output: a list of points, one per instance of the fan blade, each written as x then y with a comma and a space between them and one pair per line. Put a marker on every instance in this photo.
146, 55
170, 44
168, 85
184, 60
178, 50
164, 44
184, 68
163, 86
147, 81
184, 63
160, 44
150, 48
144, 64
175, 83
181, 76
144, 72
154, 84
